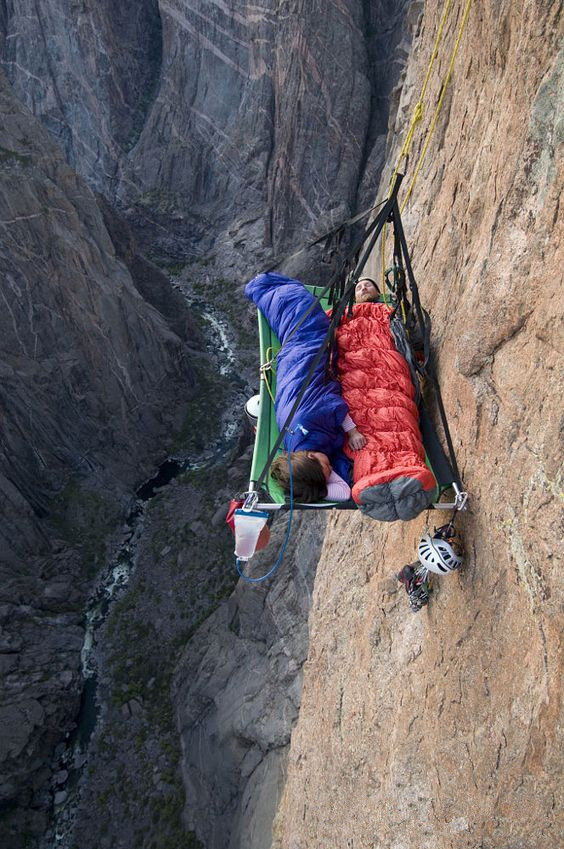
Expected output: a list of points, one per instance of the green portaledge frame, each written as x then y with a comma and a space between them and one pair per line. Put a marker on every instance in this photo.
267, 427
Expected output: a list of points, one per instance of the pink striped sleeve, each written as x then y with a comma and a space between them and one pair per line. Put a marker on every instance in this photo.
348, 423
337, 488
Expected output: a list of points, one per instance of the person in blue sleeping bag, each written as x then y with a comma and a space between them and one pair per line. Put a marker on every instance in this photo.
316, 434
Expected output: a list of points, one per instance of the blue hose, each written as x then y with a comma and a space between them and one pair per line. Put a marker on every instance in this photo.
288, 529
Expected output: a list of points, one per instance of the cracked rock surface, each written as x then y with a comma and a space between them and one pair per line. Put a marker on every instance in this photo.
198, 118
441, 730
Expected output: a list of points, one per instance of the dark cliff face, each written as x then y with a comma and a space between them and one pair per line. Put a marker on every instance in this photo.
84, 353
89, 72
89, 369
261, 121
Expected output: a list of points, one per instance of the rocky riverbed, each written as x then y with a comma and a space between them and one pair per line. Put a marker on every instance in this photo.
123, 755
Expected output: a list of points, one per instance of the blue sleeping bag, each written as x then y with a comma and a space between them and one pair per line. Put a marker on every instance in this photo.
283, 301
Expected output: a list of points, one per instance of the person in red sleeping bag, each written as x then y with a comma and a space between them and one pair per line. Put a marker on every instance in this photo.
390, 478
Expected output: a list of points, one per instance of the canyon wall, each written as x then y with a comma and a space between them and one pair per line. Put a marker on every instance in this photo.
441, 729
93, 380
199, 119
237, 692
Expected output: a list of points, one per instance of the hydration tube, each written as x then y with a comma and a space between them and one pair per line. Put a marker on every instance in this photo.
288, 529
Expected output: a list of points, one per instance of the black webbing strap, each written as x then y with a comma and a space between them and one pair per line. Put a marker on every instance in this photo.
348, 223
347, 290
328, 505
398, 229
438, 460
317, 300
428, 367
400, 291
376, 229
336, 277
439, 398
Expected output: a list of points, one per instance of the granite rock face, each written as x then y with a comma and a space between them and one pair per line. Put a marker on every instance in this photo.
88, 371
237, 693
441, 730
89, 72
198, 119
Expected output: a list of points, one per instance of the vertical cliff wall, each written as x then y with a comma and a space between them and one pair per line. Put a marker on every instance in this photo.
199, 118
441, 729
89, 72
94, 382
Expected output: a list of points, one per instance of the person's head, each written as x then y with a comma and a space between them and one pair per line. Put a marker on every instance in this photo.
366, 291
310, 472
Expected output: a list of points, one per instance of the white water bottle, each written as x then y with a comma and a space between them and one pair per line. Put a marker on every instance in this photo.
248, 525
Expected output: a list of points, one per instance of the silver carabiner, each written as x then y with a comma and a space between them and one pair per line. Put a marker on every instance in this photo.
460, 498
251, 499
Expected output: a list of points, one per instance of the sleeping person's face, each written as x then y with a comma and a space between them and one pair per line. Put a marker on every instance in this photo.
323, 461
365, 291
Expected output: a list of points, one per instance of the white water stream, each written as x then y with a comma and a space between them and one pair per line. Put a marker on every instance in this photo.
223, 346
120, 569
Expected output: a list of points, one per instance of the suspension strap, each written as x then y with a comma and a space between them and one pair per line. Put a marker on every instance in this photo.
427, 368
333, 231
402, 245
337, 276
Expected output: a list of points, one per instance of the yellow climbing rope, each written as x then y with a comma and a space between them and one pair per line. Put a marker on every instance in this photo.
444, 87
418, 113
268, 387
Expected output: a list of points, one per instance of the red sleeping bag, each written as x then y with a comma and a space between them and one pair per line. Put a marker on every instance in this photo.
391, 480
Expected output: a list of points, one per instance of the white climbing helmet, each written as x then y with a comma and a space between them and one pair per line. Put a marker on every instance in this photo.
252, 409
442, 552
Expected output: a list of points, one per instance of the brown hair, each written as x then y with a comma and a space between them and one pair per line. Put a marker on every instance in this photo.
308, 477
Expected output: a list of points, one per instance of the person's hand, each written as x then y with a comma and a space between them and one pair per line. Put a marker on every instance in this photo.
356, 439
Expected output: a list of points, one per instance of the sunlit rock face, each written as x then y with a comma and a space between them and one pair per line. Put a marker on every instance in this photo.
442, 729
207, 117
